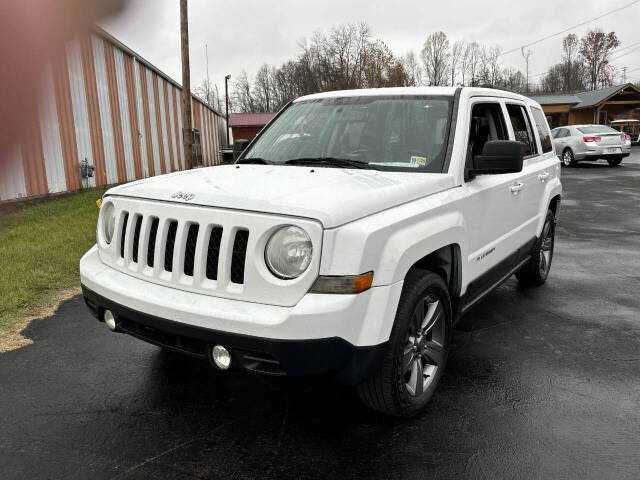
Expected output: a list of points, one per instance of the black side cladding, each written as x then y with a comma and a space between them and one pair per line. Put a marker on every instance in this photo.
168, 251
239, 255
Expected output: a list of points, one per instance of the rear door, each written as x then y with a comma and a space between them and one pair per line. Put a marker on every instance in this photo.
532, 175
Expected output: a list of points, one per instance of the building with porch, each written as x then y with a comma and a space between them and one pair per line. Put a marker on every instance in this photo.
602, 106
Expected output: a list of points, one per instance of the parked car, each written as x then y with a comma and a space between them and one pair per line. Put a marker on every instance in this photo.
345, 241
630, 126
578, 143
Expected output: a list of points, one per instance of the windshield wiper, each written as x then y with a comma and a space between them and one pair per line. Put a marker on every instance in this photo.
254, 160
329, 161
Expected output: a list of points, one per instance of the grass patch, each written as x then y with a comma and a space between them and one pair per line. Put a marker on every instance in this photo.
40, 247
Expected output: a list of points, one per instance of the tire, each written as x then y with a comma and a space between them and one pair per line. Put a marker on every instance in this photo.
614, 162
418, 347
536, 271
568, 160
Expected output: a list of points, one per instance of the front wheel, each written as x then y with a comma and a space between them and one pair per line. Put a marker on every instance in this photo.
417, 351
536, 270
614, 161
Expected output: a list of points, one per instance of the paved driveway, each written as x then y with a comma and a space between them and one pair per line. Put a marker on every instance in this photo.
542, 383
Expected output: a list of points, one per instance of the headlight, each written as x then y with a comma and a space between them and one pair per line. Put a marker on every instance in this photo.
288, 252
108, 221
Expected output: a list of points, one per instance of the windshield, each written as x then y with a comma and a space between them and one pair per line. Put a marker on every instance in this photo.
382, 132
598, 129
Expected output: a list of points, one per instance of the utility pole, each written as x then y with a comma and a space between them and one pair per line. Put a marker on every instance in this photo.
624, 74
526, 54
226, 105
187, 133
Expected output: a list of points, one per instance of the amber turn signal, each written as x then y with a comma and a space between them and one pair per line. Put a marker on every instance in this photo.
343, 284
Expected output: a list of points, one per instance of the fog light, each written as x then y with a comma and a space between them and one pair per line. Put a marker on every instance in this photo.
110, 320
221, 357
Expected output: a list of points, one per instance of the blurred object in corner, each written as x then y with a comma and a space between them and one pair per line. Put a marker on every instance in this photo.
31, 33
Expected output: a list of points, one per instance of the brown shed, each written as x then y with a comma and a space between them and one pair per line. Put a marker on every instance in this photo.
245, 126
598, 106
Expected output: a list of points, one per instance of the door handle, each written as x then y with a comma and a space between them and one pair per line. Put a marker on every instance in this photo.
516, 187
543, 176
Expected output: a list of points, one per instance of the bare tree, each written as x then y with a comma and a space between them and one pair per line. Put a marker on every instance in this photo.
595, 49
457, 53
574, 72
493, 71
472, 60
263, 89
381, 68
208, 92
242, 93
436, 58
412, 69
514, 80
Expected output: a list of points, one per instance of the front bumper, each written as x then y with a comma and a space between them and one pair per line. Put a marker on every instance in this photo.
340, 335
333, 357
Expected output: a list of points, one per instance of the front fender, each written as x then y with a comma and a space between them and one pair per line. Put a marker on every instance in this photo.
390, 242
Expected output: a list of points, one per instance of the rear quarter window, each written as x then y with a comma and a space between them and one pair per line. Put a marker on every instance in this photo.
543, 129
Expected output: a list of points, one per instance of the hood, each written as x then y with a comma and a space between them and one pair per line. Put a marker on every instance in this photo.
334, 196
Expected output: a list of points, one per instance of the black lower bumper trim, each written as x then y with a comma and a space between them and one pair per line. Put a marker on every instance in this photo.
327, 356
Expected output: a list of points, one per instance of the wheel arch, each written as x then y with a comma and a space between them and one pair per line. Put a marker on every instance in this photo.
554, 205
445, 261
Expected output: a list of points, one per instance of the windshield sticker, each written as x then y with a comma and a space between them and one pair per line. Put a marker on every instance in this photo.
419, 161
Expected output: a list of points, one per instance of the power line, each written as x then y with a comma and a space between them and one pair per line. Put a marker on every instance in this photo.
620, 56
570, 28
626, 48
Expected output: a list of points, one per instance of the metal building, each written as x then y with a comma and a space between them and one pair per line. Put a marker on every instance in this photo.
103, 103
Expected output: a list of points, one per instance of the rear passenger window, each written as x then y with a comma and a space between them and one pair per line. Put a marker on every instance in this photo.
487, 123
543, 129
522, 128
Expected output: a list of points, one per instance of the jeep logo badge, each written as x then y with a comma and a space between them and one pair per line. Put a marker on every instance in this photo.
184, 196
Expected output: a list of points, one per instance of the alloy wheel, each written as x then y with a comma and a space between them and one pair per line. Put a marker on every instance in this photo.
424, 349
546, 249
567, 158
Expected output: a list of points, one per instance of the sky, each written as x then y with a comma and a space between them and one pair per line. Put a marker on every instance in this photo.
242, 35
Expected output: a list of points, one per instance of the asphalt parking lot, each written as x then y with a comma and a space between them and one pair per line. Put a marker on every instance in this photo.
542, 383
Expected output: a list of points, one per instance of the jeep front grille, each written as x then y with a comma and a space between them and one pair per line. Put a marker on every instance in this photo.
204, 250
190, 239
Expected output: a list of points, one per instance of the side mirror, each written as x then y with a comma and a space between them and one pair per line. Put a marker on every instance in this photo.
239, 146
498, 156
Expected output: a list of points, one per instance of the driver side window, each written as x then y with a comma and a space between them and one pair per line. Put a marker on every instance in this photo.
487, 124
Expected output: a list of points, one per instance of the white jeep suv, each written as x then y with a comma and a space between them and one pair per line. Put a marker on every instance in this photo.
345, 241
